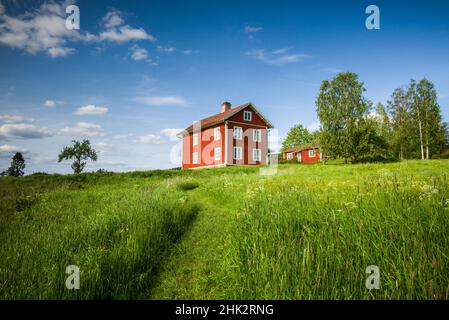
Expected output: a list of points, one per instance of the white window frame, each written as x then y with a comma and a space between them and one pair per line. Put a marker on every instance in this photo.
238, 155
257, 137
217, 153
195, 139
217, 134
289, 155
249, 114
257, 155
240, 131
312, 153
195, 158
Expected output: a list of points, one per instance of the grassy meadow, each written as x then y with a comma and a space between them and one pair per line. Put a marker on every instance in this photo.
308, 232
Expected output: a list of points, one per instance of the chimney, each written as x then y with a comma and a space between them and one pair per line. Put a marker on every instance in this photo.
225, 106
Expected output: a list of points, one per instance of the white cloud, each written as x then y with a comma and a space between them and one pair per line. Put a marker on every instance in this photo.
55, 52
6, 150
126, 33
83, 129
163, 101
44, 30
23, 131
166, 49
252, 29
41, 30
116, 30
149, 139
103, 147
112, 19
171, 133
91, 110
139, 53
52, 103
189, 51
8, 118
277, 57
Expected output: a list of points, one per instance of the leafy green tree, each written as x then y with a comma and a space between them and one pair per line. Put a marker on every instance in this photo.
342, 110
402, 140
80, 152
417, 114
17, 166
371, 145
298, 135
425, 102
383, 121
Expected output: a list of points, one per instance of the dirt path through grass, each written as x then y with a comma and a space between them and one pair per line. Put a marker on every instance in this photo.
192, 271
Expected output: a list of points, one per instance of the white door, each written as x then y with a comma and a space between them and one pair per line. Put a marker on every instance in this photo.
298, 156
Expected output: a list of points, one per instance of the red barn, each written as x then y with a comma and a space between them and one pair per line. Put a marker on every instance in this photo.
235, 136
303, 155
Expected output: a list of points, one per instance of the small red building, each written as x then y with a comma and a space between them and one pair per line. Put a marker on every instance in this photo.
235, 136
303, 154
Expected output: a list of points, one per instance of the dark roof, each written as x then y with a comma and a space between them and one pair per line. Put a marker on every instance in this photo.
300, 148
223, 116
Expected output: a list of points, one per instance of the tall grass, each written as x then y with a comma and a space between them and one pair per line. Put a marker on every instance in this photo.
308, 232
313, 238
116, 235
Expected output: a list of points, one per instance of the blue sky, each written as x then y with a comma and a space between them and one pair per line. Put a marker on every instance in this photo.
137, 71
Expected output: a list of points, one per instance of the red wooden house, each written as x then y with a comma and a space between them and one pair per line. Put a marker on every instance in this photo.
302, 154
235, 136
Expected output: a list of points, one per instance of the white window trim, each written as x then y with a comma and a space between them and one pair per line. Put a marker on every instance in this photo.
289, 155
217, 155
217, 134
240, 154
250, 116
226, 132
259, 135
257, 155
195, 139
195, 161
312, 155
241, 133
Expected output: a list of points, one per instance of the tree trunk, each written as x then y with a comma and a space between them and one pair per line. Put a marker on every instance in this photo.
420, 136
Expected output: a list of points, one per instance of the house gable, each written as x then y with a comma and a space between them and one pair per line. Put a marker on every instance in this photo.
256, 118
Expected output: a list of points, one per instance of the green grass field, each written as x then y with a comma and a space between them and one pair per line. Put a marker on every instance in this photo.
308, 232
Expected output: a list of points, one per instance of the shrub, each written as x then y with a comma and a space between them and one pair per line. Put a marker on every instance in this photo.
188, 185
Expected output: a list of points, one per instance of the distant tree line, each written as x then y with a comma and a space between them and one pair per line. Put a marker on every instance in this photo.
409, 126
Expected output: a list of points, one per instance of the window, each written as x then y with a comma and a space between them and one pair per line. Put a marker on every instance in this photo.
195, 158
217, 154
238, 153
311, 153
238, 133
195, 139
247, 115
217, 134
257, 135
257, 155
289, 155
